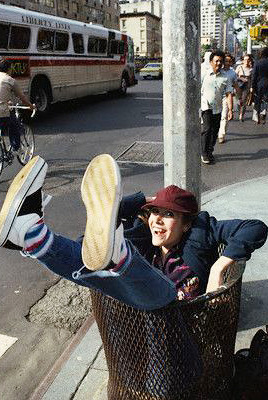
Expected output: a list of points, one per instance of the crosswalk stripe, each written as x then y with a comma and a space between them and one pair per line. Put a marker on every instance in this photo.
6, 342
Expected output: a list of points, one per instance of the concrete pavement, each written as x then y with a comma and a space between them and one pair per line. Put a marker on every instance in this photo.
83, 375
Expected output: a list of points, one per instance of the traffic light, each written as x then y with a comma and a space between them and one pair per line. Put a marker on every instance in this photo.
264, 31
259, 32
254, 32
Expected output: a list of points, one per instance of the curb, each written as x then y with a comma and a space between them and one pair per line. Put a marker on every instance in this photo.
56, 368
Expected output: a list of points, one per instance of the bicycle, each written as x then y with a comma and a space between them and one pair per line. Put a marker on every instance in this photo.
27, 142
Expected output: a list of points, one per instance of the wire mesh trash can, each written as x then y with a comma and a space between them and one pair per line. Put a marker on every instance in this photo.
146, 354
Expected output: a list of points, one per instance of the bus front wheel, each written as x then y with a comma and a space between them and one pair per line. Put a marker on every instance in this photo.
123, 86
40, 98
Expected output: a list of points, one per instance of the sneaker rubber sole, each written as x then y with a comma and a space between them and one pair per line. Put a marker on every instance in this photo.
101, 194
17, 193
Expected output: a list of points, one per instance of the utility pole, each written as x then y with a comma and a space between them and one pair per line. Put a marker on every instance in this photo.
181, 94
249, 41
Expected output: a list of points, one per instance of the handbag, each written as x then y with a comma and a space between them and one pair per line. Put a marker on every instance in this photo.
242, 85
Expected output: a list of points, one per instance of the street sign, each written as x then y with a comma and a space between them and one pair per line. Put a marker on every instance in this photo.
250, 13
251, 2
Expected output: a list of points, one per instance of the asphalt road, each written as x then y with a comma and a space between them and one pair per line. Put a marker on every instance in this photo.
70, 135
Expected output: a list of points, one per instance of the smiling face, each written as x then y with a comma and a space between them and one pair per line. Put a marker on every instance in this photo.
167, 227
216, 63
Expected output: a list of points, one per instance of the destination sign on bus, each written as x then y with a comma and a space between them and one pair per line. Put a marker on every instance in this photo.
43, 22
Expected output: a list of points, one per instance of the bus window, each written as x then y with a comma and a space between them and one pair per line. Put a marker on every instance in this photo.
92, 45
61, 41
78, 43
45, 39
102, 45
4, 31
19, 37
114, 44
121, 47
130, 51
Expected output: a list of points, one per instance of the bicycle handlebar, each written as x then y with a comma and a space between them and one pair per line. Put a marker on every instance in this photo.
23, 108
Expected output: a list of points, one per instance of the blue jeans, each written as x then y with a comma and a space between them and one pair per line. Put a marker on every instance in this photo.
14, 128
136, 283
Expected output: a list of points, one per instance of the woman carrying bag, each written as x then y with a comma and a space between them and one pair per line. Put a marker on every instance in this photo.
244, 72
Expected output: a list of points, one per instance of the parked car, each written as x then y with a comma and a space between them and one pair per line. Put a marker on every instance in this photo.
152, 70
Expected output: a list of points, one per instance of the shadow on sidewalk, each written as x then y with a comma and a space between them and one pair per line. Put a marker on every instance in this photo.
254, 305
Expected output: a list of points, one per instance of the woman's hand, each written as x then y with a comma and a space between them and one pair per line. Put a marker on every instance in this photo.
216, 273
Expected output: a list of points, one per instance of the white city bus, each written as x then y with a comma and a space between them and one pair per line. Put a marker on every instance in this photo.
57, 59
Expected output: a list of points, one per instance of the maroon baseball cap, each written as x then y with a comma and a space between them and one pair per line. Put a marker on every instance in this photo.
175, 199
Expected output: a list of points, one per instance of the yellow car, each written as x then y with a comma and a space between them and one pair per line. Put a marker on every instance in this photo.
152, 70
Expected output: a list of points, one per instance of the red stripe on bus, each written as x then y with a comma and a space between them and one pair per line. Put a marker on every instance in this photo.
51, 62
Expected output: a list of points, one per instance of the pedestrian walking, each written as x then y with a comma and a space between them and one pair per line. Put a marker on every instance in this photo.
215, 86
259, 86
231, 75
244, 72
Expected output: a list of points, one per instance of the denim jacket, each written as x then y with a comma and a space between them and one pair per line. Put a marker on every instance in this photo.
199, 246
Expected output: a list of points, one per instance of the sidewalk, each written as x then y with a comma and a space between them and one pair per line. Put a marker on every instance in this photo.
84, 375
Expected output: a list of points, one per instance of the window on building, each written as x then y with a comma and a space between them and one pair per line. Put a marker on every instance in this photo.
45, 39
142, 22
123, 23
142, 35
50, 3
61, 41
142, 47
78, 43
75, 7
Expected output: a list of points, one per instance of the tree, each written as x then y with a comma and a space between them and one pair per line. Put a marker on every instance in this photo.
232, 10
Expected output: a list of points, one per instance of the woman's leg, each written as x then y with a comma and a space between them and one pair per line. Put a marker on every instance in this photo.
125, 274
243, 104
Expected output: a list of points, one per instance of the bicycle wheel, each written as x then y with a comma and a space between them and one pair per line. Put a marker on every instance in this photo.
27, 146
1, 158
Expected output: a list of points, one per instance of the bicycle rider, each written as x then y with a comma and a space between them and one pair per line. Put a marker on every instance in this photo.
9, 89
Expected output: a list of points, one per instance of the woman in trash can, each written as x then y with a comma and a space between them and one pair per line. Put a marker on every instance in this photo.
146, 262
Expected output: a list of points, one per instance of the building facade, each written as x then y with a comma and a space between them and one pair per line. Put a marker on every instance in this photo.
212, 25
103, 12
152, 6
142, 21
229, 36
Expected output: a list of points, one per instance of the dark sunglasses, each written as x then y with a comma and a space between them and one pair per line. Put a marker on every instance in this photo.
162, 213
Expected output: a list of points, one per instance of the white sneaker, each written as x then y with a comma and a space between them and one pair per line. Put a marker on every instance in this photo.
101, 194
23, 205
